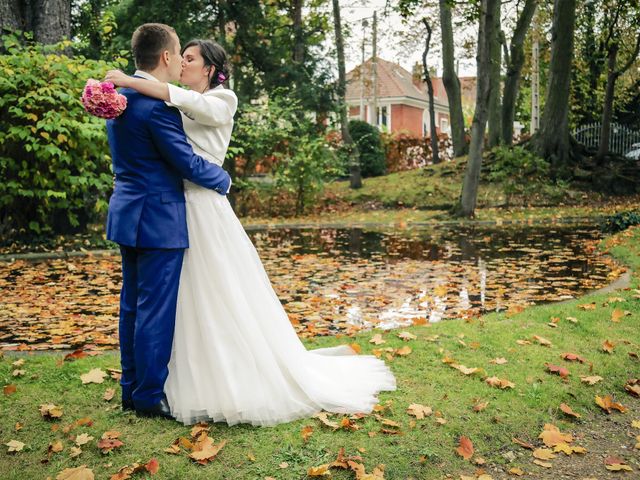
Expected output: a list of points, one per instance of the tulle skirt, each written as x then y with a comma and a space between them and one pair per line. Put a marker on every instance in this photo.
236, 358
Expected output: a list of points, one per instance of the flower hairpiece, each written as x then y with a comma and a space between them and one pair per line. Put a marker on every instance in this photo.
102, 99
221, 77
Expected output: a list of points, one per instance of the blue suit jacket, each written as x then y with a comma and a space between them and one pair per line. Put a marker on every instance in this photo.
151, 156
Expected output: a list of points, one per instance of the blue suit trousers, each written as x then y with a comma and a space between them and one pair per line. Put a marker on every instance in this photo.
150, 279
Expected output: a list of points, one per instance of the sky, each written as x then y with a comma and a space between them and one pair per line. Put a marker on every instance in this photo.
397, 41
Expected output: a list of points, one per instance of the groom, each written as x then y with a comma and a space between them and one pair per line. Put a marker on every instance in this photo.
147, 218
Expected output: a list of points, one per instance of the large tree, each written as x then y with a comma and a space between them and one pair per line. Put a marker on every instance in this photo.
486, 30
553, 140
495, 118
514, 60
48, 20
355, 177
435, 156
451, 81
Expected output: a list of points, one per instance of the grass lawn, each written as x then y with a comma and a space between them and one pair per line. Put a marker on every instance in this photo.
427, 195
416, 448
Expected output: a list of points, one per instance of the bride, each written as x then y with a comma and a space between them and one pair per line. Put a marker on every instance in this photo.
236, 357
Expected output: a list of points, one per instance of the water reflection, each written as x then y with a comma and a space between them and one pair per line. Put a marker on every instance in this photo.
390, 278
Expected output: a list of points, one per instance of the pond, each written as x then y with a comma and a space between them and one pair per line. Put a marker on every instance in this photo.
330, 280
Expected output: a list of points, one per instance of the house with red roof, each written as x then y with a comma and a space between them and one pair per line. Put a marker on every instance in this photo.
402, 98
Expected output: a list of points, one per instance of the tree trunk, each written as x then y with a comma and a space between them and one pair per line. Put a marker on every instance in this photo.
468, 197
435, 157
355, 178
298, 46
49, 20
11, 17
452, 82
607, 108
552, 140
514, 62
495, 114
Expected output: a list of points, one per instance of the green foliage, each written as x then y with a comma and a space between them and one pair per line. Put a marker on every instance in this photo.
518, 170
53, 155
273, 135
305, 167
620, 221
372, 156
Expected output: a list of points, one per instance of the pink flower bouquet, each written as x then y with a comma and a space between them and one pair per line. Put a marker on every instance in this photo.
102, 100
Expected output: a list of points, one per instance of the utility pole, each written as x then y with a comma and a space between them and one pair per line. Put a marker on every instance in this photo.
374, 65
535, 78
365, 24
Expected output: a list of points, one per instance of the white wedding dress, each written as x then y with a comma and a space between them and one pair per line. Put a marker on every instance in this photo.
236, 357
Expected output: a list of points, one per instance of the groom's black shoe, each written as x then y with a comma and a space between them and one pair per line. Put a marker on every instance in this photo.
160, 409
127, 405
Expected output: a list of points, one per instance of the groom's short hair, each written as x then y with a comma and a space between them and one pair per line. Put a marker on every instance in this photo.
148, 42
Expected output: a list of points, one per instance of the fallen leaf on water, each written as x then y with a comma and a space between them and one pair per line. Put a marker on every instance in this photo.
78, 473
95, 375
465, 448
567, 409
14, 446
591, 380
607, 404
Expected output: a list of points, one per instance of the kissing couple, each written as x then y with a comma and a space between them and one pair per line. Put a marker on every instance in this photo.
203, 336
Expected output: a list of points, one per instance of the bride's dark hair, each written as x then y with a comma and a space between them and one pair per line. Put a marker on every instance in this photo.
213, 55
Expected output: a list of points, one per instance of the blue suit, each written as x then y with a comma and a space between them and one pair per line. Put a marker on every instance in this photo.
147, 217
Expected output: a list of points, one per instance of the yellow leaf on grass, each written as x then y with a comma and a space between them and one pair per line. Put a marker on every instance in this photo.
591, 380
49, 410
404, 351
83, 439
502, 383
568, 449
499, 361
542, 341
95, 375
14, 446
377, 339
616, 315
321, 471
552, 436
306, 432
406, 336
419, 411
78, 473
567, 409
608, 346
543, 464
543, 454
516, 471
607, 404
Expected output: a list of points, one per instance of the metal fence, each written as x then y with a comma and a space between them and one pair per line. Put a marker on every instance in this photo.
620, 140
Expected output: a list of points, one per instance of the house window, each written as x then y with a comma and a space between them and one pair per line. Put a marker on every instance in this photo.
382, 116
444, 125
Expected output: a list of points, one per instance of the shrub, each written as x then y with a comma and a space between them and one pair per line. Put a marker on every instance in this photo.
620, 221
372, 156
54, 159
518, 170
406, 152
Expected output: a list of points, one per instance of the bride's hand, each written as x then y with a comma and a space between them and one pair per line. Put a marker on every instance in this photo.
118, 78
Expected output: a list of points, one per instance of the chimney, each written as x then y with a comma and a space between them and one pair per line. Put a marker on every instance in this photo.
417, 75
